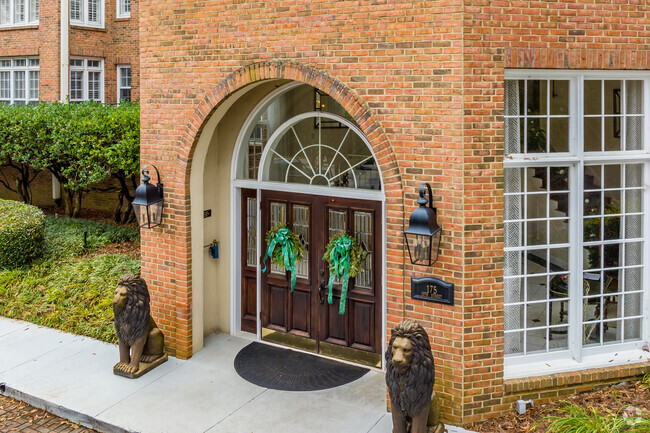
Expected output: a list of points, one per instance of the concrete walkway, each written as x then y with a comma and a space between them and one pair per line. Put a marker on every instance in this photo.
72, 377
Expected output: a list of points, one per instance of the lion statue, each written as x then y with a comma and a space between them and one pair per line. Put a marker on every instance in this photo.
139, 338
410, 375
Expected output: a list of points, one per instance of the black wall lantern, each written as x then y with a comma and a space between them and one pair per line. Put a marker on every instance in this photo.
423, 234
148, 203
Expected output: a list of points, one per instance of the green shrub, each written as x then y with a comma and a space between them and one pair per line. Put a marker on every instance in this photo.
80, 144
22, 231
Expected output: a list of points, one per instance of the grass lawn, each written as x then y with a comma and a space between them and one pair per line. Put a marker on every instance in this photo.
71, 287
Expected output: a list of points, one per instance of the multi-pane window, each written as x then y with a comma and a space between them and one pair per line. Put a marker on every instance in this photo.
123, 8
86, 80
574, 211
87, 12
19, 80
19, 12
123, 83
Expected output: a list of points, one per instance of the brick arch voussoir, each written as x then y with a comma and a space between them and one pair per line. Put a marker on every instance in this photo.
296, 71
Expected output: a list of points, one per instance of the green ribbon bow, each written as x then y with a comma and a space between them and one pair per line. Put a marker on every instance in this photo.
340, 266
282, 239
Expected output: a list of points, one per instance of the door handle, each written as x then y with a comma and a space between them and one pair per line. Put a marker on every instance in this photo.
321, 287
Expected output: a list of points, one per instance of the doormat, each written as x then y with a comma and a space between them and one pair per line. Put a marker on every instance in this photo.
287, 370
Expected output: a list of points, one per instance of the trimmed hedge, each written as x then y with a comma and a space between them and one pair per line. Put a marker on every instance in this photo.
22, 229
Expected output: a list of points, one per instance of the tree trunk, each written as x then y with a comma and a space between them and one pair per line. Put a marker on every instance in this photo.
72, 201
124, 216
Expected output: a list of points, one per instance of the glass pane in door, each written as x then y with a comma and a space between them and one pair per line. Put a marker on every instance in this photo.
251, 231
278, 216
363, 234
301, 228
337, 225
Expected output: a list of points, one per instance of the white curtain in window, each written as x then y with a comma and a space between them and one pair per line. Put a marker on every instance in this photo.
93, 11
633, 223
5, 11
75, 10
634, 114
633, 230
33, 85
93, 86
19, 85
34, 6
5, 86
76, 85
125, 7
19, 11
512, 231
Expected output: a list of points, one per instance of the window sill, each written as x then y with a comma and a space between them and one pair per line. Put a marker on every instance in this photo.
558, 367
89, 28
523, 385
25, 27
124, 18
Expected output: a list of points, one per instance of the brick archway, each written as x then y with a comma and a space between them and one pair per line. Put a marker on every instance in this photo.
285, 70
174, 298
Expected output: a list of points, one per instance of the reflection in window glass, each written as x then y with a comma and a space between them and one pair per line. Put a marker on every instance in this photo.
315, 151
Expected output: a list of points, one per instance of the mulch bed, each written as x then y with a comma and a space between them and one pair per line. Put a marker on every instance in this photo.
625, 396
128, 248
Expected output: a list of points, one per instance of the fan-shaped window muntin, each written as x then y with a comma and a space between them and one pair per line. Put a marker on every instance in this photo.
304, 151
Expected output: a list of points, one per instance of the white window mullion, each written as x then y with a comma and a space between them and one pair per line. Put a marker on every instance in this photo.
575, 263
84, 85
645, 309
576, 235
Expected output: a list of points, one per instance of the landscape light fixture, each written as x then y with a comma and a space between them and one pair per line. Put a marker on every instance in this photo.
423, 233
148, 203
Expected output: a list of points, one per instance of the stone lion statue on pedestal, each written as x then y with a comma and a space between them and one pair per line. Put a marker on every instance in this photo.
139, 338
410, 375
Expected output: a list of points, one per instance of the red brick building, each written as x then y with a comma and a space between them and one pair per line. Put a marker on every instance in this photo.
93, 55
530, 120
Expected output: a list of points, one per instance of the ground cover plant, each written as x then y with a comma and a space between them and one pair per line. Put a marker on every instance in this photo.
71, 286
624, 408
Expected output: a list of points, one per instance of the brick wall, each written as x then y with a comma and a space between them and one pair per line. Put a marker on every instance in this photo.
589, 34
425, 82
396, 66
117, 43
42, 41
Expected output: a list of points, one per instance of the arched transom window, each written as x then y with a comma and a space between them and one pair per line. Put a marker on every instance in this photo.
303, 136
320, 149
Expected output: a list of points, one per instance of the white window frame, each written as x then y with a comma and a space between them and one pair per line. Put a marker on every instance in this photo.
85, 22
119, 81
28, 21
120, 13
27, 82
577, 356
85, 69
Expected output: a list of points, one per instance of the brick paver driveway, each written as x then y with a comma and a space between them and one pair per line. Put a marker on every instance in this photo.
16, 416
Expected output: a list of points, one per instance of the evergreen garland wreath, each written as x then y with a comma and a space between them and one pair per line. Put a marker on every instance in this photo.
345, 256
284, 249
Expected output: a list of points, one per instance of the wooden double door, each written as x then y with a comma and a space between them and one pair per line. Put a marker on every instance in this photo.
304, 318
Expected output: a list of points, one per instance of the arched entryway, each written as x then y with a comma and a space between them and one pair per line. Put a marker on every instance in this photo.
301, 160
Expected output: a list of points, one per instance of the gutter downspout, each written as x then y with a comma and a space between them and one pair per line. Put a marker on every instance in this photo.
64, 74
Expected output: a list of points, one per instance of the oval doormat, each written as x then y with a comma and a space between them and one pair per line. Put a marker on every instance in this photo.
288, 370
